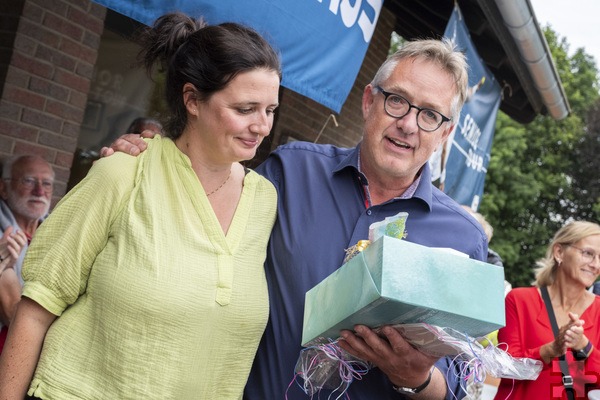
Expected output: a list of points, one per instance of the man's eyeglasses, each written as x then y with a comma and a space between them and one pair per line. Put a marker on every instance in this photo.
29, 182
587, 255
397, 106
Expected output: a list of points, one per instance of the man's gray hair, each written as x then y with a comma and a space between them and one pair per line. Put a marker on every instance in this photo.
444, 53
9, 163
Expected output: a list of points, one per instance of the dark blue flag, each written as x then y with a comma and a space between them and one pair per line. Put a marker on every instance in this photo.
459, 168
322, 43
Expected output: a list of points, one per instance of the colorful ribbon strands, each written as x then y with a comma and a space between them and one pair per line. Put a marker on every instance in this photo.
327, 367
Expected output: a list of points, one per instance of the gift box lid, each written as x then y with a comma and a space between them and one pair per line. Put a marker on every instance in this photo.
394, 281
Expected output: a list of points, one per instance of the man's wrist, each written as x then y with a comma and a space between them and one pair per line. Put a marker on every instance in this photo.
415, 390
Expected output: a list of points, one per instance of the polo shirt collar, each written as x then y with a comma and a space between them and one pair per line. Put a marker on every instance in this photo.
351, 160
424, 188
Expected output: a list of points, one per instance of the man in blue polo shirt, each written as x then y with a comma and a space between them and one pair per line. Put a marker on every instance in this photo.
328, 197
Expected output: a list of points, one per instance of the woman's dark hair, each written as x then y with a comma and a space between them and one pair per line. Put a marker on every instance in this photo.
207, 56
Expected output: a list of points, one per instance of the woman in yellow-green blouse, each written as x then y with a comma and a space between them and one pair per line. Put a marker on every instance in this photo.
146, 281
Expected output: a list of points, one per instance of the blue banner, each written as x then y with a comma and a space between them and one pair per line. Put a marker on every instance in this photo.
459, 168
322, 43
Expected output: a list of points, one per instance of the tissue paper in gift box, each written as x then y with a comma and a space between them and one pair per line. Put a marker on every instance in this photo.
394, 281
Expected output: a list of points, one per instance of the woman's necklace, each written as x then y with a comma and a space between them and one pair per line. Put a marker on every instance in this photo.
222, 184
574, 305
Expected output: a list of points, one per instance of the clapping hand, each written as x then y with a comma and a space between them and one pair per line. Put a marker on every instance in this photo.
573, 333
11, 244
569, 335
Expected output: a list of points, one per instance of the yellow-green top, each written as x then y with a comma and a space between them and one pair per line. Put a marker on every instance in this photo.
154, 300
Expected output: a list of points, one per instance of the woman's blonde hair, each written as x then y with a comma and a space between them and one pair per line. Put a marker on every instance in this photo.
568, 234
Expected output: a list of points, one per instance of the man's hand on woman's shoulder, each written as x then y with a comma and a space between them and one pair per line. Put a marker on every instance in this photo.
130, 143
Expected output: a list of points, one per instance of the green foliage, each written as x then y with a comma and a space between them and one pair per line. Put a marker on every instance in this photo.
586, 179
396, 41
544, 174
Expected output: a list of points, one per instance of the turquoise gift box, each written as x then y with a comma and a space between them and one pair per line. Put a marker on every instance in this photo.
397, 282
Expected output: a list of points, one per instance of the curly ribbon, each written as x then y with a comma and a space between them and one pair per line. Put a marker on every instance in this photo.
327, 366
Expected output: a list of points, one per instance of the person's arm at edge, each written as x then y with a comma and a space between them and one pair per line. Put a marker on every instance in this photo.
10, 287
10, 294
23, 347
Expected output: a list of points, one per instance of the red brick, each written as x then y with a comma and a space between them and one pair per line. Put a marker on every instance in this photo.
25, 45
10, 111
17, 77
72, 81
18, 130
64, 111
64, 26
32, 66
58, 142
33, 12
62, 174
71, 129
85, 5
57, 6
6, 145
42, 120
64, 159
90, 22
55, 58
24, 97
37, 32
78, 50
33, 148
49, 88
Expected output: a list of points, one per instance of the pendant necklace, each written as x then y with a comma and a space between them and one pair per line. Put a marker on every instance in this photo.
222, 184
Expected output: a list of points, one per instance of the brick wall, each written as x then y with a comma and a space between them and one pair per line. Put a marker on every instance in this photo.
46, 78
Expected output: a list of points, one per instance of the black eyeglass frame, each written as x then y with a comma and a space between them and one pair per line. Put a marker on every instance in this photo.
387, 94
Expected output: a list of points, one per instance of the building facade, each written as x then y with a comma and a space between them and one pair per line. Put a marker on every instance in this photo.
57, 86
